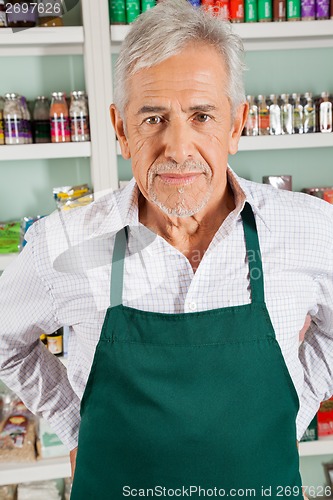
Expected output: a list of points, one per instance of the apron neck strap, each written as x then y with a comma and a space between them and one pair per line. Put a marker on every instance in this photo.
252, 250
253, 254
117, 270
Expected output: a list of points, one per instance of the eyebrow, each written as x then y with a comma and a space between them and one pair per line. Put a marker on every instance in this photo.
160, 109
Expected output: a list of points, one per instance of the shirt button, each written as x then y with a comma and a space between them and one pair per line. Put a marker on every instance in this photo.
192, 306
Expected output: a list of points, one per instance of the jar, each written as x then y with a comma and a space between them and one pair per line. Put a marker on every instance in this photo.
60, 129
55, 342
26, 121
41, 117
50, 13
13, 120
263, 111
79, 117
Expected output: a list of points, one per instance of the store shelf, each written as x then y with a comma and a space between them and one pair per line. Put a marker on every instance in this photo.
265, 36
45, 151
268, 142
6, 259
65, 40
295, 141
315, 448
50, 468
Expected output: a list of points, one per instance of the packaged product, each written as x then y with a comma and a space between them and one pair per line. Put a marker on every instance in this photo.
26, 223
8, 492
68, 488
279, 181
17, 439
311, 433
325, 193
68, 197
10, 237
40, 490
325, 418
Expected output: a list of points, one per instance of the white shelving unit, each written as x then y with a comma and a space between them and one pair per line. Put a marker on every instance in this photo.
264, 36
46, 151
50, 468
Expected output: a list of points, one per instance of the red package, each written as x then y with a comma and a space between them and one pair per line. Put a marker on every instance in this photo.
237, 11
221, 9
325, 418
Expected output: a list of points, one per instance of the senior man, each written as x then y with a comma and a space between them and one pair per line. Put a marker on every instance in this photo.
195, 382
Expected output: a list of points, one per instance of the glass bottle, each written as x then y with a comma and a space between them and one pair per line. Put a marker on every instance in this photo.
263, 115
274, 115
26, 121
55, 342
252, 123
50, 13
13, 120
41, 116
309, 111
298, 114
287, 115
21, 14
79, 116
60, 129
3, 15
325, 113
2, 123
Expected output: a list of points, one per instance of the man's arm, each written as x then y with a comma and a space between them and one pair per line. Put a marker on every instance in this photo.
26, 366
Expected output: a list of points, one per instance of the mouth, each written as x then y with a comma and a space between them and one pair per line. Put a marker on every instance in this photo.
179, 179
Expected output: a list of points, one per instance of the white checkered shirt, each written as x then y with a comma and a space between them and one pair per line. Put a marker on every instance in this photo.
62, 277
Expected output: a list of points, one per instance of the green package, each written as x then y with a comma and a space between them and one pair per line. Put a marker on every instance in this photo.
10, 237
132, 10
117, 9
251, 11
264, 10
147, 4
294, 10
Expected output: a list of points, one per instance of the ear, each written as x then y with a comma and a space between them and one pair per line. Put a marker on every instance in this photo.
119, 127
237, 127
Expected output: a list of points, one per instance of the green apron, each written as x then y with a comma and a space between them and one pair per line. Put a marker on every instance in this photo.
188, 401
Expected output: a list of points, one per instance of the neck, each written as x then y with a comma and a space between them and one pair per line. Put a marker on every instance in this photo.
187, 232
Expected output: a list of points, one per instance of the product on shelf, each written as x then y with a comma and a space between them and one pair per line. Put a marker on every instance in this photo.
325, 418
274, 115
308, 10
21, 14
325, 113
49, 13
265, 11
17, 439
39, 490
309, 113
252, 122
59, 116
208, 5
132, 10
79, 117
54, 342
294, 10
322, 9
287, 115
8, 492
26, 121
68, 197
263, 112
298, 113
279, 10
48, 444
221, 9
279, 181
13, 116
195, 3
236, 11
325, 193
311, 433
10, 237
251, 11
117, 11
3, 15
26, 223
41, 116
147, 4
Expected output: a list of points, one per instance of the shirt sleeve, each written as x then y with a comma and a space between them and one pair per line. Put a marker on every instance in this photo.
26, 366
316, 351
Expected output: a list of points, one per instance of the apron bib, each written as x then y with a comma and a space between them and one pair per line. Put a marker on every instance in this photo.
188, 401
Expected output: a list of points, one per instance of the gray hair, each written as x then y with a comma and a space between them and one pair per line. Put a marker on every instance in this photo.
164, 31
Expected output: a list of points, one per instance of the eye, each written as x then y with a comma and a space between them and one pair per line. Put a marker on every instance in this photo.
153, 120
202, 118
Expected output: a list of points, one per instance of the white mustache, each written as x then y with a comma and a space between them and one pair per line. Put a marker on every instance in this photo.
189, 166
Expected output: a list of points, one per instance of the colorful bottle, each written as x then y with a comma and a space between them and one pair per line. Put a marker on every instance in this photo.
251, 11
274, 115
279, 10
41, 116
132, 10
293, 10
55, 342
264, 11
208, 5
252, 122
236, 11
323, 9
298, 114
325, 113
2, 123
13, 120
50, 13
79, 117
117, 10
309, 110
26, 121
147, 5
308, 10
263, 115
3, 15
287, 115
59, 116
221, 9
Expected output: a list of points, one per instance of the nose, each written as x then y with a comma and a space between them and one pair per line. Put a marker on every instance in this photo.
179, 141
